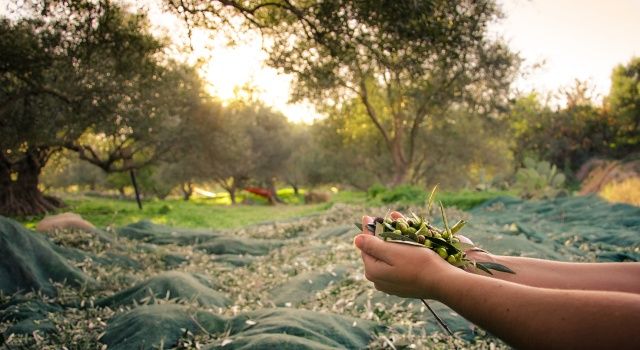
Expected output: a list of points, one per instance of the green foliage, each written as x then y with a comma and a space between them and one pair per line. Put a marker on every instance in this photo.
376, 190
539, 180
403, 194
466, 200
89, 77
567, 137
395, 65
624, 103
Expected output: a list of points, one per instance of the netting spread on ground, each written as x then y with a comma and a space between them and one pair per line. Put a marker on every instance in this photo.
295, 284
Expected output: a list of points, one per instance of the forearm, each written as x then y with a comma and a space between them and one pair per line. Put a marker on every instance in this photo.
540, 318
621, 277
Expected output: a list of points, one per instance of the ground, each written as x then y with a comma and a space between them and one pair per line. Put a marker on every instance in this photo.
287, 275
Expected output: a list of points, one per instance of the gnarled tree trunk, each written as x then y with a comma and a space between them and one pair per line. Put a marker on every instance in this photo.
19, 192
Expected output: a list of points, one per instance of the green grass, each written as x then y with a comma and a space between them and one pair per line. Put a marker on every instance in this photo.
464, 200
216, 213
199, 213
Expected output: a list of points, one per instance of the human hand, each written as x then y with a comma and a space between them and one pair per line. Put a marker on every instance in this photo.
402, 270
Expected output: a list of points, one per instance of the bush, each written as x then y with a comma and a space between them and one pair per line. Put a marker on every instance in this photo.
538, 180
374, 191
404, 194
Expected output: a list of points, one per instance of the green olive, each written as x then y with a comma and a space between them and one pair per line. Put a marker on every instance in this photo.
398, 232
437, 235
427, 243
442, 252
452, 259
402, 226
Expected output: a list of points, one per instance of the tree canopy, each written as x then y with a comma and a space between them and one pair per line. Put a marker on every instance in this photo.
86, 76
405, 62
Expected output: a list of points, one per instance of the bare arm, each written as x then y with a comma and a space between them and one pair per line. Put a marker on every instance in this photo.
620, 277
542, 318
522, 315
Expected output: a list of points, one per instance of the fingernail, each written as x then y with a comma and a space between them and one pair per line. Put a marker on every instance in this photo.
367, 219
357, 241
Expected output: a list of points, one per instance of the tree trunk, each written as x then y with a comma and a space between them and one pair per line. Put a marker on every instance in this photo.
19, 194
135, 187
232, 193
400, 166
187, 191
271, 186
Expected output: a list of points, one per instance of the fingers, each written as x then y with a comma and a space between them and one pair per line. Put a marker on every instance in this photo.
464, 239
377, 270
375, 247
395, 215
365, 221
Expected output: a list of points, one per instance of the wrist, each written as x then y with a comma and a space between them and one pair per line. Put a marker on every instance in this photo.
437, 284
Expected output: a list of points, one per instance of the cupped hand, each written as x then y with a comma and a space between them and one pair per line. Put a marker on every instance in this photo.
402, 270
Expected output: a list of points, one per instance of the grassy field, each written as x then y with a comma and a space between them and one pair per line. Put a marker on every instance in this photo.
217, 213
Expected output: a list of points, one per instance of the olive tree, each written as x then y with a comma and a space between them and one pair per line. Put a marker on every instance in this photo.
94, 82
406, 62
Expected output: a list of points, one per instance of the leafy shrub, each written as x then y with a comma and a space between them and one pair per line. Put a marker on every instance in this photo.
538, 180
404, 194
374, 191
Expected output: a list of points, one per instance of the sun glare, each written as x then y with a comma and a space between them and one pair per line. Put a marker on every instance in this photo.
231, 71
575, 40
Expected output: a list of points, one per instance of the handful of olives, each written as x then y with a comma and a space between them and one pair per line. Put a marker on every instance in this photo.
415, 230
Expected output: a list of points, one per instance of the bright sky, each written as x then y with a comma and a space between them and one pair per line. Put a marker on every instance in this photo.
577, 39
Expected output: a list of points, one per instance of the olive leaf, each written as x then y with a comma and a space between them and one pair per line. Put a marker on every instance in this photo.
430, 200
442, 242
458, 226
378, 229
495, 266
395, 236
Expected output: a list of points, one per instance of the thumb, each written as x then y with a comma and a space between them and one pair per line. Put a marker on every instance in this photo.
374, 247
366, 220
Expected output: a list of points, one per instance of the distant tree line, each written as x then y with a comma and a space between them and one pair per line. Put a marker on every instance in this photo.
413, 92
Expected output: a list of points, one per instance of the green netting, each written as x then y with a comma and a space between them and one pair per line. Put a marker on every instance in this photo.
314, 330
562, 229
238, 245
153, 326
303, 287
28, 315
384, 303
572, 228
334, 232
235, 259
273, 341
159, 234
29, 262
170, 285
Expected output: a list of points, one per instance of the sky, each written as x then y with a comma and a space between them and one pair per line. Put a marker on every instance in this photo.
568, 39
575, 39
571, 39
